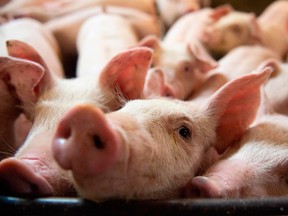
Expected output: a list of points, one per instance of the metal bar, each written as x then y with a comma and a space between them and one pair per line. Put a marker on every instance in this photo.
75, 206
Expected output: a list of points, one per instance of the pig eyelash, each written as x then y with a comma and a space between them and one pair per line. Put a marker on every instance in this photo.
9, 152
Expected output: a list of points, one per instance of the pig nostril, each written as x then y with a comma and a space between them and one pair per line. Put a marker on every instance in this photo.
98, 142
192, 191
66, 132
197, 192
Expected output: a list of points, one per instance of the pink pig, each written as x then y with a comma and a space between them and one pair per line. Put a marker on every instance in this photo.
178, 69
44, 98
254, 166
66, 27
219, 29
150, 148
170, 11
99, 39
273, 22
44, 10
276, 88
237, 62
35, 34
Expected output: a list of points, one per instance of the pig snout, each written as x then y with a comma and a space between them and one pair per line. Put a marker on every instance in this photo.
18, 177
85, 142
202, 187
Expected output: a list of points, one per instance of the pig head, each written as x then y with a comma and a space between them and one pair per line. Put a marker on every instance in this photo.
151, 148
180, 68
44, 98
230, 30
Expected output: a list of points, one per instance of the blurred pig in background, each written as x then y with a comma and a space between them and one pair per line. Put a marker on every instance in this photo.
167, 11
237, 62
273, 22
45, 10
276, 88
99, 39
234, 29
151, 148
170, 11
44, 97
178, 69
35, 34
66, 28
219, 29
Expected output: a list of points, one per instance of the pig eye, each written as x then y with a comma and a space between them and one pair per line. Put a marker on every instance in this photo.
184, 132
186, 67
236, 29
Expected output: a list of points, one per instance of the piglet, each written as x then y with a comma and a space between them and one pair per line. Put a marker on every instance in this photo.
273, 22
44, 10
36, 35
180, 68
151, 148
66, 28
254, 166
170, 11
9, 109
276, 88
220, 29
234, 29
99, 39
236, 64
44, 98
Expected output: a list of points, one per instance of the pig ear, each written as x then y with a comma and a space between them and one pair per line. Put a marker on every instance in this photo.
22, 78
271, 62
126, 72
220, 11
150, 41
234, 107
19, 49
204, 60
154, 83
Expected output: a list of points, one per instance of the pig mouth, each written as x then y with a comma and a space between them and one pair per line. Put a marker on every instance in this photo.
19, 178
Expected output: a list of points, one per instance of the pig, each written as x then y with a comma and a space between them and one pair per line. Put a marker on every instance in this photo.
273, 22
237, 62
8, 114
276, 88
170, 11
100, 38
219, 29
44, 98
33, 32
183, 67
150, 149
46, 10
66, 27
232, 30
254, 166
